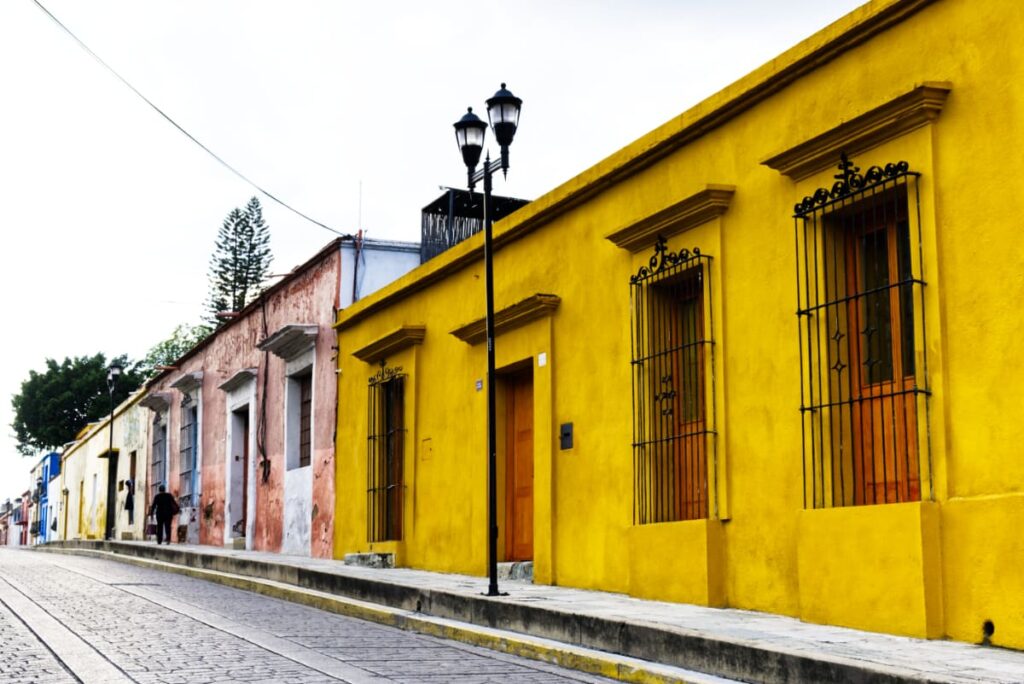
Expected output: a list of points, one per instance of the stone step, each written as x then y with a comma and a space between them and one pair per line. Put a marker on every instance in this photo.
517, 570
370, 560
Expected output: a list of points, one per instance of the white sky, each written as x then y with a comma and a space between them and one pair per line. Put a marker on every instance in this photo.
111, 213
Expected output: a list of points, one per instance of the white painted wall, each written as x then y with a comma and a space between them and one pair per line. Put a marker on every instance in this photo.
298, 493
380, 262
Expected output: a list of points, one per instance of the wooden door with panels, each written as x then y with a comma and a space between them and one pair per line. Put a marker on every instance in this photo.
519, 467
881, 351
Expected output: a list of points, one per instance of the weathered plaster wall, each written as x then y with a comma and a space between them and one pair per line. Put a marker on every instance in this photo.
298, 484
308, 298
84, 475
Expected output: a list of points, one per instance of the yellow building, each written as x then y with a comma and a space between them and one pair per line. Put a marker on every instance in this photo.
94, 481
763, 357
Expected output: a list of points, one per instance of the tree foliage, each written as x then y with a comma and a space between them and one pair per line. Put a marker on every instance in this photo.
55, 404
240, 261
166, 352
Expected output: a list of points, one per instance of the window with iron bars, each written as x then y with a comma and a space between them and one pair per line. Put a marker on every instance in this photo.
187, 452
863, 387
158, 455
305, 419
386, 454
673, 392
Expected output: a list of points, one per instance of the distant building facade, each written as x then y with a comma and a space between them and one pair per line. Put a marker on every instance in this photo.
95, 483
43, 518
242, 428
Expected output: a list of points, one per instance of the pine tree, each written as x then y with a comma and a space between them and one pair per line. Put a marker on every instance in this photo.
240, 261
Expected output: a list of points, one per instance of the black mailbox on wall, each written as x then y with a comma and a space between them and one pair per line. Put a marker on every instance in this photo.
565, 435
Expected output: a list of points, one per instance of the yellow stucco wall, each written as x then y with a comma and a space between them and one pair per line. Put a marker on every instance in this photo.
84, 475
882, 561
765, 555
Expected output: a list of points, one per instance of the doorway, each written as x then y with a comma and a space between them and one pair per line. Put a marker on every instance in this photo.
519, 466
111, 494
238, 496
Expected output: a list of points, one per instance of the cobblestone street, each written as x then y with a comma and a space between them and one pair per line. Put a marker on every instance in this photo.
75, 619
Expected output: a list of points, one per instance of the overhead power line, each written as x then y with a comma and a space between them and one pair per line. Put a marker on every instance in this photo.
183, 131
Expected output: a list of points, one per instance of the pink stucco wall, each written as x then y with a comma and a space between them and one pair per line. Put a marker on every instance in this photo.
308, 296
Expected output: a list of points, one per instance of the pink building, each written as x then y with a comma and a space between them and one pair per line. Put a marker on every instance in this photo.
18, 531
242, 429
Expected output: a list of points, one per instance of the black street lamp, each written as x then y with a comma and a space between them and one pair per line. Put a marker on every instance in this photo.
113, 373
503, 112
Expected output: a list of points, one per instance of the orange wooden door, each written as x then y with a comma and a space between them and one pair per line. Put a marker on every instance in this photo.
885, 453
519, 468
688, 463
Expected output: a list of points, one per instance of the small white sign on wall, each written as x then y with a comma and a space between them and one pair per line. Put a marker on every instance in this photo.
542, 359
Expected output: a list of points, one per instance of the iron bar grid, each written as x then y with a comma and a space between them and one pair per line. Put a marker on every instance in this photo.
386, 454
863, 377
456, 216
189, 438
157, 456
673, 390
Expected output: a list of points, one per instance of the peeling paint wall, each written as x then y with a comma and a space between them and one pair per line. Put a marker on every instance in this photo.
286, 510
80, 498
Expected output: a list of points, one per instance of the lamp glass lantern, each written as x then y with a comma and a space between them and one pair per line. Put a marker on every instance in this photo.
503, 112
469, 134
113, 373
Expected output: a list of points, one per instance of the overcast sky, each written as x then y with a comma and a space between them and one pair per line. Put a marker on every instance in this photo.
342, 109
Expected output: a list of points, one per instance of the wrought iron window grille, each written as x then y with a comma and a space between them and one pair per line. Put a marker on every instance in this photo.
385, 488
158, 455
863, 373
673, 386
189, 437
305, 396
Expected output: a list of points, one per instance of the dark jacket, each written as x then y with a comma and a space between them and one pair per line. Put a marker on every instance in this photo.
164, 506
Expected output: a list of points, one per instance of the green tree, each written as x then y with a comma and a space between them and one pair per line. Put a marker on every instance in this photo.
55, 404
166, 352
240, 261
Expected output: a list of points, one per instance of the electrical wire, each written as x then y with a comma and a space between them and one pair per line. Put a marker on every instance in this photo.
183, 131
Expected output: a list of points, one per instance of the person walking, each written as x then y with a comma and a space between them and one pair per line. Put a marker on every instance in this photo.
164, 508
129, 500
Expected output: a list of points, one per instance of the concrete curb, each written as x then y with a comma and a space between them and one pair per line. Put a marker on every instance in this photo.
609, 665
688, 650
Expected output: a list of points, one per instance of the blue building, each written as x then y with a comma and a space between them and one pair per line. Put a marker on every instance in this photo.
48, 469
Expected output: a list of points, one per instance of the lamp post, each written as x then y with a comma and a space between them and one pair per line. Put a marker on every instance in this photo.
113, 373
503, 112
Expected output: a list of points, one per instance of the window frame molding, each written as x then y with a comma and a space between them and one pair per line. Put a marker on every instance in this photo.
391, 343
917, 107
509, 318
702, 206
